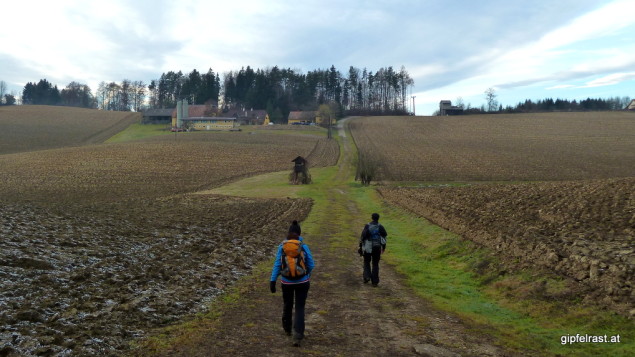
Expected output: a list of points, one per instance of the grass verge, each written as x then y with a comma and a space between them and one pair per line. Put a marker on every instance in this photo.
444, 268
139, 131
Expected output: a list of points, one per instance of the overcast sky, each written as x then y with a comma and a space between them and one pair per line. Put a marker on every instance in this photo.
570, 49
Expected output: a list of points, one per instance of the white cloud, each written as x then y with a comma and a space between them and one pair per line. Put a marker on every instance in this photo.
610, 80
562, 86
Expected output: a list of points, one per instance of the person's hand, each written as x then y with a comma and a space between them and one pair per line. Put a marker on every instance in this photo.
383, 250
272, 286
360, 252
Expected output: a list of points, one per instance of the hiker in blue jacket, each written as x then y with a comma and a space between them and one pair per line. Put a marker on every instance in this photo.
295, 282
372, 244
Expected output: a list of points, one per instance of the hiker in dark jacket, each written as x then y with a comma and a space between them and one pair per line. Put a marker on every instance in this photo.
372, 243
293, 288
295, 228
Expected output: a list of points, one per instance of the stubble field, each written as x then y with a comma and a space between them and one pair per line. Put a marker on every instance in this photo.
580, 224
100, 243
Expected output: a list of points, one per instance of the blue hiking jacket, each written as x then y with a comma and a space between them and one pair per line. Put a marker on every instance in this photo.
277, 266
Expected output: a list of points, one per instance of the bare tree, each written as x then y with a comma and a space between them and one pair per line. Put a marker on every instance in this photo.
3, 90
490, 97
139, 94
460, 103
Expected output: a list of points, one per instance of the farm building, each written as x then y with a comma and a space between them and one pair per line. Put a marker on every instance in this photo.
210, 123
320, 121
200, 117
157, 116
631, 106
446, 108
302, 117
248, 117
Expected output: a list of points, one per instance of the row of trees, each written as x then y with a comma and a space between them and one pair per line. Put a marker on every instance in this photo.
125, 96
279, 91
196, 87
564, 105
282, 90
543, 105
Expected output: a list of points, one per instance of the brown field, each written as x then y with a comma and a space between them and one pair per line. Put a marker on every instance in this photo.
154, 167
583, 230
86, 282
39, 127
100, 243
519, 147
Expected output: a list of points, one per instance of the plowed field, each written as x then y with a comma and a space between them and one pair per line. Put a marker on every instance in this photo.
100, 243
39, 127
87, 282
550, 146
155, 167
583, 230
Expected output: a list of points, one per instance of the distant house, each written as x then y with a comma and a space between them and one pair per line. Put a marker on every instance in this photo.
211, 123
631, 106
200, 117
248, 117
157, 116
301, 117
446, 108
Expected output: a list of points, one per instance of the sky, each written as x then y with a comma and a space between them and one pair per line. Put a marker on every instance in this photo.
568, 49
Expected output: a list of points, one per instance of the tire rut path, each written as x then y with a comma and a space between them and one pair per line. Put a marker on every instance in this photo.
344, 316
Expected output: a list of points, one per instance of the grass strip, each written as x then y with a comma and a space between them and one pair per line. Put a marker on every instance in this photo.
139, 131
439, 266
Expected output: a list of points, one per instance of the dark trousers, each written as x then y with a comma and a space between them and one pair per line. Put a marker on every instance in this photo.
372, 274
297, 292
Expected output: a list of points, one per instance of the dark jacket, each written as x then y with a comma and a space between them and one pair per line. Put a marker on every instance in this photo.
366, 234
295, 228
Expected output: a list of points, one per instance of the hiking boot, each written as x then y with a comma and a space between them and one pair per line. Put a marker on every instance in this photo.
297, 339
366, 281
287, 332
374, 285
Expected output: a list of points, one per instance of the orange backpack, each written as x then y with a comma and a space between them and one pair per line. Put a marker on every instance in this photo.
293, 265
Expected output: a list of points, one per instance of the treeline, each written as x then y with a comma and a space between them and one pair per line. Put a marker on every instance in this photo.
125, 96
283, 90
196, 87
279, 91
565, 105
557, 105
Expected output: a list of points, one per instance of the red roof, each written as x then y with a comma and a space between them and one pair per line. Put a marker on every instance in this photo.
197, 110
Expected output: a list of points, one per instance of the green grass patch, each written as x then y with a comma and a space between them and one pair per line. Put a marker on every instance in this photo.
139, 131
453, 274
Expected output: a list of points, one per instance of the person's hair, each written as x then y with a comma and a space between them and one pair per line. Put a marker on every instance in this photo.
375, 216
293, 235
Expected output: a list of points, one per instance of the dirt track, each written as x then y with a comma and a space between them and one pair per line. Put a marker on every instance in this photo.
344, 316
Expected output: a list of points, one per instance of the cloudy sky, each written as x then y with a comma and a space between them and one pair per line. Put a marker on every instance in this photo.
536, 49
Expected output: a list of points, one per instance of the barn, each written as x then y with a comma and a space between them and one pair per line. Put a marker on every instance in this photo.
200, 117
301, 117
157, 116
631, 106
446, 108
